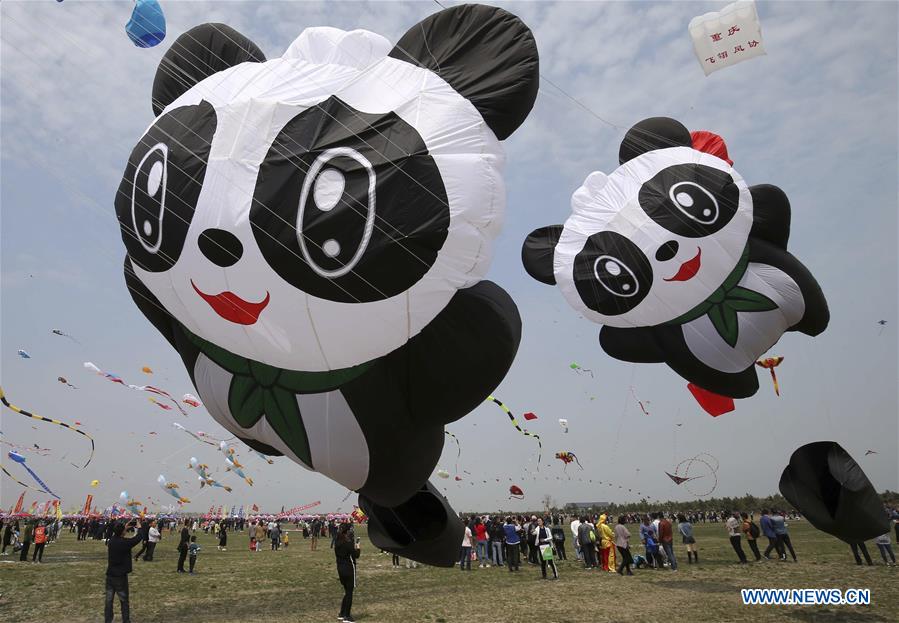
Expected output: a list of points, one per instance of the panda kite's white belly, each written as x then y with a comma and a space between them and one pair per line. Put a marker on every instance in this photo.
336, 441
758, 331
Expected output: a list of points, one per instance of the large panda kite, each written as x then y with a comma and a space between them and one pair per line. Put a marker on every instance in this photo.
681, 261
310, 233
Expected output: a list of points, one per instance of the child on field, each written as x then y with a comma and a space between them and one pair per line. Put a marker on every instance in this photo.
192, 551
252, 544
285, 539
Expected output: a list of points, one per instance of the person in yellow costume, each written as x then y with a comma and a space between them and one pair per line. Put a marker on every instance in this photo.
607, 545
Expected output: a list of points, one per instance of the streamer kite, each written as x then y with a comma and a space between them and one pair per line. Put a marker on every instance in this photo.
162, 406
262, 456
205, 477
641, 403
21, 411
130, 503
114, 378
65, 382
769, 363
18, 458
521, 430
172, 489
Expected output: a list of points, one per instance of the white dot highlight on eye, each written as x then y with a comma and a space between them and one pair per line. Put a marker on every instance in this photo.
148, 228
684, 199
613, 268
331, 248
154, 178
706, 212
328, 189
625, 286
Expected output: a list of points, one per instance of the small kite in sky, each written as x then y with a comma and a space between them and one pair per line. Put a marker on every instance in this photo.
23, 354
564, 424
442, 473
870, 452
882, 323
130, 503
642, 403
234, 466
147, 370
516, 493
190, 399
529, 416
95, 483
65, 382
769, 363
162, 406
702, 468
114, 378
727, 37
196, 436
146, 28
568, 457
577, 368
62, 334
263, 457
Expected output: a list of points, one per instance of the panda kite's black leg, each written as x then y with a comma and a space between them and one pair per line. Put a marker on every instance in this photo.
424, 528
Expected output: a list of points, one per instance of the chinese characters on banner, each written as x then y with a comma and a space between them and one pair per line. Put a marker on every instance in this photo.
728, 37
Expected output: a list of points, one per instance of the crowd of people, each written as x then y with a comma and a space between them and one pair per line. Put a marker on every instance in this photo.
540, 540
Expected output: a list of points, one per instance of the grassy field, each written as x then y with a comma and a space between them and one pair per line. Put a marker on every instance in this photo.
297, 585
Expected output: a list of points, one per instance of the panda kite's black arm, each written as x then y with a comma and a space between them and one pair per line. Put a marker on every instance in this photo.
636, 344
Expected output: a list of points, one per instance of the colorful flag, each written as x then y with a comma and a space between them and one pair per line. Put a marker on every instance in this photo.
87, 505
18, 508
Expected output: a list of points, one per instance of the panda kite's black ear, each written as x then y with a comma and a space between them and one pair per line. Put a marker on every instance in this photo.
770, 214
197, 54
486, 54
537, 253
653, 133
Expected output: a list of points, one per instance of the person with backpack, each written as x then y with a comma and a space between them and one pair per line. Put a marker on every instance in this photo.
686, 531
752, 532
586, 540
733, 532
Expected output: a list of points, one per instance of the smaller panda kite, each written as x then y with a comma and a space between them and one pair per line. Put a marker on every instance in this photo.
681, 261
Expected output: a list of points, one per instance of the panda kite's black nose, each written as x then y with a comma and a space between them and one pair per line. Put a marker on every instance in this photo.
667, 251
220, 247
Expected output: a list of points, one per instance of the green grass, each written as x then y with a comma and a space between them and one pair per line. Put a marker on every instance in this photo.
297, 585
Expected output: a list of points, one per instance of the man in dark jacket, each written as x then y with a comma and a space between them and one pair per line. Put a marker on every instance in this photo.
145, 537
117, 569
183, 544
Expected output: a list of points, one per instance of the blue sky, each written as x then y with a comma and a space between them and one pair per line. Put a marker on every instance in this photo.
817, 116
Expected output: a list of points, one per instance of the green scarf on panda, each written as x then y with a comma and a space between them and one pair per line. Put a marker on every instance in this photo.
258, 389
724, 303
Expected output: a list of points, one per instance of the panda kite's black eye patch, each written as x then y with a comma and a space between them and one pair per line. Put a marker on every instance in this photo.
690, 200
349, 206
161, 185
611, 274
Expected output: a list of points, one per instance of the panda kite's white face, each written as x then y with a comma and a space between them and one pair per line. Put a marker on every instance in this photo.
654, 239
312, 215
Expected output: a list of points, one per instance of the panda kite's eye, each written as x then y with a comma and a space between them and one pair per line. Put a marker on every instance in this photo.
695, 202
148, 190
615, 276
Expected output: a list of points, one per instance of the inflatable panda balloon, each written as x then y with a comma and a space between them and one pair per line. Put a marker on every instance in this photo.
311, 233
681, 261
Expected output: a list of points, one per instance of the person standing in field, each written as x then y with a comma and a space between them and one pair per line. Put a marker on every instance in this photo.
666, 540
193, 550
465, 555
117, 569
223, 538
145, 534
751, 532
767, 528
513, 544
586, 539
40, 539
686, 531
886, 549
543, 539
347, 551
153, 538
733, 531
27, 533
183, 545
622, 543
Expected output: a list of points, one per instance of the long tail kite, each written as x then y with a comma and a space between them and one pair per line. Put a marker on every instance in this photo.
520, 429
458, 448
18, 458
21, 411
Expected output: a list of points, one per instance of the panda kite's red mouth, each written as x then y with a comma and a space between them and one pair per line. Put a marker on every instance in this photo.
233, 308
688, 269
